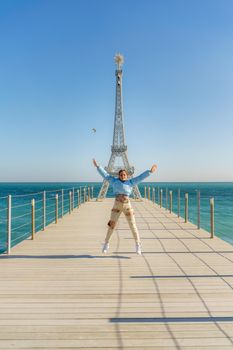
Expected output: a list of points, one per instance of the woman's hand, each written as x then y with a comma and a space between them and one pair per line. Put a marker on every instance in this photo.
94, 162
153, 168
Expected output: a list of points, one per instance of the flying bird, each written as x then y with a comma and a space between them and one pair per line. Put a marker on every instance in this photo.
93, 129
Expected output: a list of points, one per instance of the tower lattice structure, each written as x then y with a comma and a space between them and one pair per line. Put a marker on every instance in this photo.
119, 148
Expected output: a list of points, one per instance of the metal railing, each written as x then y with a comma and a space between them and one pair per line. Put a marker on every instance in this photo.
169, 206
24, 215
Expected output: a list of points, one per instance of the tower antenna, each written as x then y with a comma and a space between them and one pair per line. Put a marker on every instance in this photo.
119, 60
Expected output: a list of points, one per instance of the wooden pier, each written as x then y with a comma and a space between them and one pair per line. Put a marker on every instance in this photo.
60, 292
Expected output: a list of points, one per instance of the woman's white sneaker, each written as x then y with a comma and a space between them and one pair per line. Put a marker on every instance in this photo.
105, 248
138, 249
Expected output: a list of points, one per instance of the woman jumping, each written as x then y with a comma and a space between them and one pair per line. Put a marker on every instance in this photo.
122, 189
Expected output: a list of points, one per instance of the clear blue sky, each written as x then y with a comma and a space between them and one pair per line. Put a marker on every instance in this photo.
57, 82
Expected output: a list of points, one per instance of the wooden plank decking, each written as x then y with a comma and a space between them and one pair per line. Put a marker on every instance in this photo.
60, 292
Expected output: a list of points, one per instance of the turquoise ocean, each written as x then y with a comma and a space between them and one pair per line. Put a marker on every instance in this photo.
23, 193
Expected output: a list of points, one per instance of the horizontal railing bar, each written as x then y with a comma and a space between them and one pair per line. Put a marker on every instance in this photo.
51, 212
38, 201
20, 216
40, 225
38, 209
21, 205
26, 195
37, 218
16, 228
20, 236
50, 191
3, 197
51, 205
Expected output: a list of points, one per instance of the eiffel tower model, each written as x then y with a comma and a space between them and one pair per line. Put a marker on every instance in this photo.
119, 148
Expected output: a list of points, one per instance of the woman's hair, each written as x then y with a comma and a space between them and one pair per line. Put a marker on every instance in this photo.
122, 171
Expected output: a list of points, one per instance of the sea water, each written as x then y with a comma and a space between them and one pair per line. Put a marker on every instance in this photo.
23, 193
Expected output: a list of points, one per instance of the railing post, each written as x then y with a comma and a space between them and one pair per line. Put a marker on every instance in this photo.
44, 210
62, 203
70, 196
92, 192
186, 207
212, 217
9, 225
84, 195
56, 211
158, 195
178, 204
77, 198
166, 198
80, 195
89, 194
33, 218
161, 198
149, 193
170, 192
145, 192
153, 195
73, 199
198, 209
